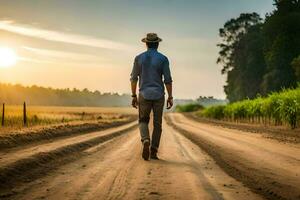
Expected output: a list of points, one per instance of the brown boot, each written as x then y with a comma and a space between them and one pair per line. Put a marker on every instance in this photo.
146, 145
153, 155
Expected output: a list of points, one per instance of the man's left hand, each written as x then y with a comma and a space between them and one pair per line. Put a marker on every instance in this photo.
134, 102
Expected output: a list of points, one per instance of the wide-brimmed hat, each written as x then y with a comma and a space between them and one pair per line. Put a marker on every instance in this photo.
151, 37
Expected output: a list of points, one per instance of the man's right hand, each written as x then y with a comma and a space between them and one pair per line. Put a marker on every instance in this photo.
170, 103
134, 102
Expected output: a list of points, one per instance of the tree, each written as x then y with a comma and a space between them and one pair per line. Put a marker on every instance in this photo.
241, 54
296, 67
261, 57
281, 33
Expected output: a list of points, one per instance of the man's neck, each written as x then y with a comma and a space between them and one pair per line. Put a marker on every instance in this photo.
152, 49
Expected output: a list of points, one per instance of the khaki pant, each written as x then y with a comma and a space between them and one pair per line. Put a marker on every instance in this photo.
145, 107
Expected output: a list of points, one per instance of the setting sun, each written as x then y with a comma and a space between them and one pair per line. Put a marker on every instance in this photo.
8, 57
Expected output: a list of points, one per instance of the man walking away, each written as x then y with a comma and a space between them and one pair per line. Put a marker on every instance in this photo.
151, 70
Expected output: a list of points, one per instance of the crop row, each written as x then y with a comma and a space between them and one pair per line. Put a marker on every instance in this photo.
277, 109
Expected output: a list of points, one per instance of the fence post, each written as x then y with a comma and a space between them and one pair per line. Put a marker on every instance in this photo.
24, 114
3, 114
82, 115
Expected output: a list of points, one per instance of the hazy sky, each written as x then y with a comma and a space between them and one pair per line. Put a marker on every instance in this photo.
92, 43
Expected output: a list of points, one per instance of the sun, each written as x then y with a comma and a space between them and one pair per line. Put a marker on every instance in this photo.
8, 57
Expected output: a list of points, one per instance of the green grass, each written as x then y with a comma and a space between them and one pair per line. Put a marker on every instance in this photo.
282, 108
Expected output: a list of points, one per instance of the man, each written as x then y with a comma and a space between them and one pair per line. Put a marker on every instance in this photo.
151, 69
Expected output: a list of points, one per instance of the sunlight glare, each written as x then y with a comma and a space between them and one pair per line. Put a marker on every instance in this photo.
8, 57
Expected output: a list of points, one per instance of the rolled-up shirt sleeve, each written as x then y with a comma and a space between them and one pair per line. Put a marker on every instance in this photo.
167, 72
135, 71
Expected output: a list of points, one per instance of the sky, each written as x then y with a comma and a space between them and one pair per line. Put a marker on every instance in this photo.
92, 44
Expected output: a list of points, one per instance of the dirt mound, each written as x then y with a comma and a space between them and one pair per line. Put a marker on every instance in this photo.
282, 134
46, 133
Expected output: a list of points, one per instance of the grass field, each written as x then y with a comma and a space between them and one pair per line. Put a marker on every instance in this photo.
46, 115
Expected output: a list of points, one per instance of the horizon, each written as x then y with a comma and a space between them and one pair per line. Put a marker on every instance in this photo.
102, 93
92, 47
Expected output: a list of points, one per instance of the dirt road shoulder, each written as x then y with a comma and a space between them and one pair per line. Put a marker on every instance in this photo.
266, 166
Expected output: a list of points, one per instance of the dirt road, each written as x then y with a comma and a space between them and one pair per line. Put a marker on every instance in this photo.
107, 165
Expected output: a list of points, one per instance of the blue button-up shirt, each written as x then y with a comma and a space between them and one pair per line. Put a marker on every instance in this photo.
150, 68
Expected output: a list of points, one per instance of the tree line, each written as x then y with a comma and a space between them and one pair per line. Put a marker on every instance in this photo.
35, 95
261, 56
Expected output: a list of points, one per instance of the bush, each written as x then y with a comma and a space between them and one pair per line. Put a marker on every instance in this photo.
189, 107
215, 112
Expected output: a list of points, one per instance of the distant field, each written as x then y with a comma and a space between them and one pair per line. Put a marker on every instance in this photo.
45, 115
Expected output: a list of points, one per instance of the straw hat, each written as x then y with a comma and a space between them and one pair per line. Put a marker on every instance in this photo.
151, 37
